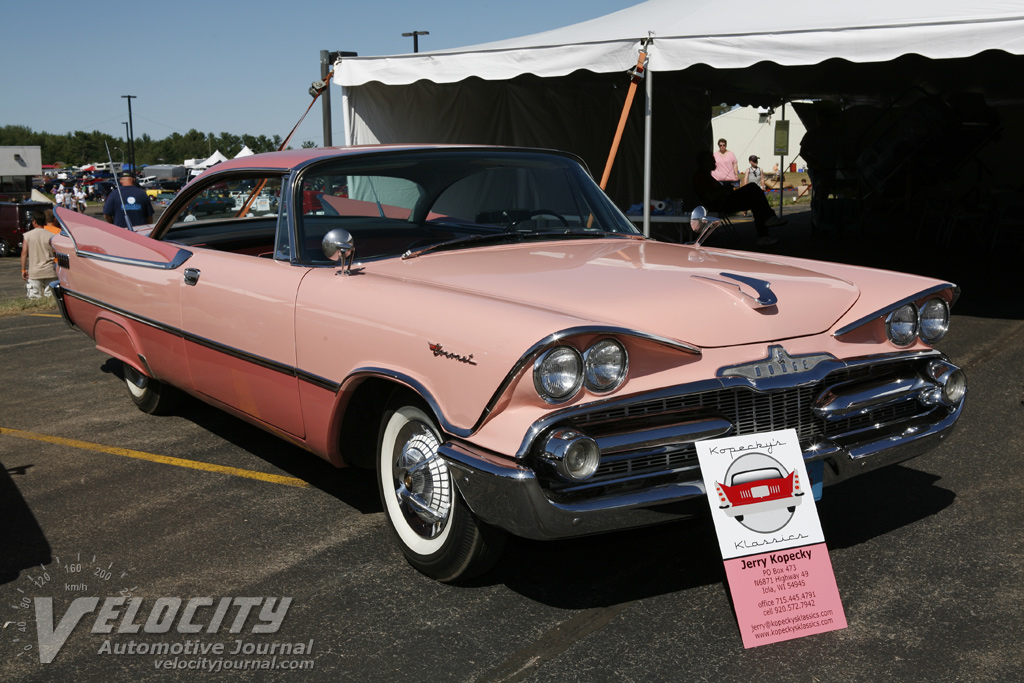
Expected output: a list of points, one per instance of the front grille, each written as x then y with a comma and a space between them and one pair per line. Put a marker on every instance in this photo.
750, 411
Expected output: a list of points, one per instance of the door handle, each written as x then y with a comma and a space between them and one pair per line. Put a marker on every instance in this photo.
191, 276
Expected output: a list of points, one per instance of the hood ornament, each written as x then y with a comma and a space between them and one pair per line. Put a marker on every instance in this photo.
763, 296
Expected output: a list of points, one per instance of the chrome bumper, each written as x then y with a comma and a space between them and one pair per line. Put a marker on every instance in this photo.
509, 496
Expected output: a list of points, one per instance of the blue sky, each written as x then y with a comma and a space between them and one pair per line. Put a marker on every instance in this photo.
225, 65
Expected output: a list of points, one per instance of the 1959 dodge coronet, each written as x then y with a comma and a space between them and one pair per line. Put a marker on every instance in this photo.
488, 332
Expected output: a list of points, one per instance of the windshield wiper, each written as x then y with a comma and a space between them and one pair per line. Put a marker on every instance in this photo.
515, 236
498, 237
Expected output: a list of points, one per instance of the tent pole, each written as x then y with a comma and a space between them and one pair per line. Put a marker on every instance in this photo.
649, 106
325, 102
346, 125
782, 170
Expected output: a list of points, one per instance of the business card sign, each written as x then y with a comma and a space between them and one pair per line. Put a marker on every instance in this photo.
779, 572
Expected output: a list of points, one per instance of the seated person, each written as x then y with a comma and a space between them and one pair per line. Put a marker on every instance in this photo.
721, 199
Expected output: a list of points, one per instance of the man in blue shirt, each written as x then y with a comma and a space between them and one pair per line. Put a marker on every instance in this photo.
128, 206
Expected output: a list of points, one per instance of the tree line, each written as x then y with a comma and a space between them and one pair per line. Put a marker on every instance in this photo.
80, 148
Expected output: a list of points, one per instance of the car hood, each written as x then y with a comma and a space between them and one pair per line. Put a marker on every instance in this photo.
706, 297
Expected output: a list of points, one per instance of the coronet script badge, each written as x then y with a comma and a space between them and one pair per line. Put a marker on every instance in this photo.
778, 364
438, 350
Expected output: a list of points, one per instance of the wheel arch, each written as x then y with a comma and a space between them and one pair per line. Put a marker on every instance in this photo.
365, 398
119, 341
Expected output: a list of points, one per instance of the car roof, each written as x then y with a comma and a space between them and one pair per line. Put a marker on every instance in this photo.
297, 157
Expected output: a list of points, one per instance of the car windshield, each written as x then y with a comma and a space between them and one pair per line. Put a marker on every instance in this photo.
412, 202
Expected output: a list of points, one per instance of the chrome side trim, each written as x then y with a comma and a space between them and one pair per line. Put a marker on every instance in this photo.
208, 343
179, 258
893, 306
534, 351
120, 311
276, 366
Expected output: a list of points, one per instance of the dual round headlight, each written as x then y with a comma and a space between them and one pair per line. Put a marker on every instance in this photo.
560, 372
908, 322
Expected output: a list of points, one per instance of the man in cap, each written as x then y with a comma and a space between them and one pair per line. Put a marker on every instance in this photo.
754, 175
128, 206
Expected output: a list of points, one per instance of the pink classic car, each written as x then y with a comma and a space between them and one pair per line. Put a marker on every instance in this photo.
487, 331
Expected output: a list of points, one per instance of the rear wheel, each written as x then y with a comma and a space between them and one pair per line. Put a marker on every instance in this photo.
5, 249
434, 527
150, 395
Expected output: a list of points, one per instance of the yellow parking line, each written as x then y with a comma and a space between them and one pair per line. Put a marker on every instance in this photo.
45, 315
162, 459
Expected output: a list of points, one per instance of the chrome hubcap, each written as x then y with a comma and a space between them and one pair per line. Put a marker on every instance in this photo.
422, 483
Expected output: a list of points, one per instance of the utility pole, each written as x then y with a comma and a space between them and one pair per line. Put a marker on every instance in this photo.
131, 133
416, 38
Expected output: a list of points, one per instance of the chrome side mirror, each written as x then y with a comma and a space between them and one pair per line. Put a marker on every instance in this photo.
702, 225
338, 245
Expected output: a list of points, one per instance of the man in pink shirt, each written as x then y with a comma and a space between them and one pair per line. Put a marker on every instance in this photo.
726, 171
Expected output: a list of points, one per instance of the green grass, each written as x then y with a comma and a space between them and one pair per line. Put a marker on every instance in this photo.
10, 307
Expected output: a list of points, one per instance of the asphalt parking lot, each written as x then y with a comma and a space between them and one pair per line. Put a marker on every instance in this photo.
98, 499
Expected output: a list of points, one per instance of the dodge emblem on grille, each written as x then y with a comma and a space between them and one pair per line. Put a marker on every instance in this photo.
777, 364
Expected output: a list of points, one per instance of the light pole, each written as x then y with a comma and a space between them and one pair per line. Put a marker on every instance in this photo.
127, 139
131, 132
416, 38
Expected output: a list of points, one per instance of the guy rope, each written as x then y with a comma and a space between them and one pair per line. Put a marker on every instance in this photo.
636, 75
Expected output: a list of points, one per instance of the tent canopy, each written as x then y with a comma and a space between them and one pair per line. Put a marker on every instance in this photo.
565, 88
722, 34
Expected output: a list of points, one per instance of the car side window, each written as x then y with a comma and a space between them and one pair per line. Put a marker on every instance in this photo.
237, 214
375, 208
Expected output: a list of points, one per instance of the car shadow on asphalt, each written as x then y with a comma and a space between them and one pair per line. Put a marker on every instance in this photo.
24, 543
355, 487
610, 569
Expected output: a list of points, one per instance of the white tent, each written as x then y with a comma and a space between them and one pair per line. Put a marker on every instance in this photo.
214, 158
245, 152
724, 34
564, 88
203, 164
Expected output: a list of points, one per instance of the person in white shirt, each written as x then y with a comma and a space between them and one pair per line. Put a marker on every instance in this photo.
754, 175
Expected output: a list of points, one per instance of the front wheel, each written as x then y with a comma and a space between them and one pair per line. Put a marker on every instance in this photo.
435, 529
150, 395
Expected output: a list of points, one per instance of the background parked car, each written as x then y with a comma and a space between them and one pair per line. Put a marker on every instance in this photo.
15, 220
